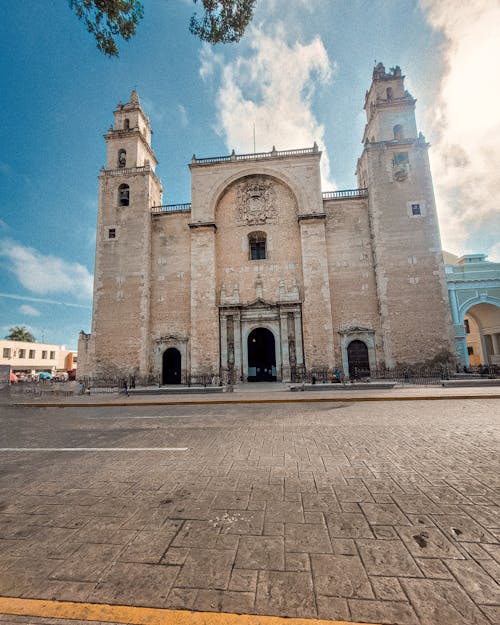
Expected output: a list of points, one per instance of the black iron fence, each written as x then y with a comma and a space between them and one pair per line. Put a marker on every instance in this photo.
115, 384
414, 375
43, 387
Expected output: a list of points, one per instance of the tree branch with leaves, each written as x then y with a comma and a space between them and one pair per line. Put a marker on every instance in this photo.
221, 21
109, 19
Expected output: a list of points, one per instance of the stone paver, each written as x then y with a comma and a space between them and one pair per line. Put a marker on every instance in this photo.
387, 557
340, 576
376, 512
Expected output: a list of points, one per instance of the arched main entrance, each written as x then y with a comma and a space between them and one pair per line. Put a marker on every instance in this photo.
357, 356
261, 356
171, 371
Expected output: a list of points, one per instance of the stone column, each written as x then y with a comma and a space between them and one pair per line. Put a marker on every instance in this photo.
494, 342
223, 341
204, 312
238, 365
317, 309
285, 357
298, 338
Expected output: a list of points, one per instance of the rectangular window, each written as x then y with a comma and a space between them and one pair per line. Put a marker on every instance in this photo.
257, 250
44, 354
466, 326
32, 353
112, 233
52, 355
415, 209
22, 353
470, 351
6, 352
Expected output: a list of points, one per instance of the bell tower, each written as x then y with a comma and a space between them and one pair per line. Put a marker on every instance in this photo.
409, 268
128, 188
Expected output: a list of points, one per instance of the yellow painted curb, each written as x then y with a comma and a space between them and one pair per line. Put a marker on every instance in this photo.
200, 402
131, 615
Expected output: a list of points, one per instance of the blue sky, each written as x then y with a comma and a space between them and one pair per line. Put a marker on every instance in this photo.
300, 74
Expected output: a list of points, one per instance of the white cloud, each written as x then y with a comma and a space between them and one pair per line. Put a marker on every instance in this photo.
209, 61
42, 300
183, 115
26, 309
494, 252
43, 274
271, 84
466, 124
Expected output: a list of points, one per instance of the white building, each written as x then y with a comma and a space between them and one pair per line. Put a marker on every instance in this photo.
33, 358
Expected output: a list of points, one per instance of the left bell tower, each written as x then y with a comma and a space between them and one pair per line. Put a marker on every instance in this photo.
128, 188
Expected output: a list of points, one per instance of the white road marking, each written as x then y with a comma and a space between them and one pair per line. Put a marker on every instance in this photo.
163, 416
94, 448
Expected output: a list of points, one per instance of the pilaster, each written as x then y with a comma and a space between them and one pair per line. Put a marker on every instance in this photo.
204, 312
316, 309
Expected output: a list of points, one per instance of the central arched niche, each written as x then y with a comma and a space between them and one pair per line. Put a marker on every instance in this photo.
260, 205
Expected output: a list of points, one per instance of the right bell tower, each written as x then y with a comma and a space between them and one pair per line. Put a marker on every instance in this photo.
409, 268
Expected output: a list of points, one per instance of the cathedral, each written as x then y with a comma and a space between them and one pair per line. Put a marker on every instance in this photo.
264, 275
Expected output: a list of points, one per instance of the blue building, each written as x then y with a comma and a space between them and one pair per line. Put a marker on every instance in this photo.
474, 291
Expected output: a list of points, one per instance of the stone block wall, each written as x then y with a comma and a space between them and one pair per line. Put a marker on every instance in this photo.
278, 277
411, 286
351, 271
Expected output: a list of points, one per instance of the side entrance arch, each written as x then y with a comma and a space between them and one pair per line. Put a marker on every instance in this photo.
261, 356
171, 366
357, 356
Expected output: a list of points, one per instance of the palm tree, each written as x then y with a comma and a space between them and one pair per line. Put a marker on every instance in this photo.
20, 333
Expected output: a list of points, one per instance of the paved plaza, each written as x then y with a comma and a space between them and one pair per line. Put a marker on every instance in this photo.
376, 512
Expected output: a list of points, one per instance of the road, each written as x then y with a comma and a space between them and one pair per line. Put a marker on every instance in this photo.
383, 512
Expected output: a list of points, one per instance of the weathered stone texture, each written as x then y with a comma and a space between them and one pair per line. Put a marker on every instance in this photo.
361, 265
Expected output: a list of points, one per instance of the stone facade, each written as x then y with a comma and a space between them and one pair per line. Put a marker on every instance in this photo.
264, 275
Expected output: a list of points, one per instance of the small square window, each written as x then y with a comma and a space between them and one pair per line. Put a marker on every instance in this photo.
32, 353
6, 352
44, 354
22, 353
470, 351
415, 209
112, 233
401, 158
52, 355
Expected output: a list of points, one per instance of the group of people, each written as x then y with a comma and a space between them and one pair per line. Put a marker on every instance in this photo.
337, 376
128, 384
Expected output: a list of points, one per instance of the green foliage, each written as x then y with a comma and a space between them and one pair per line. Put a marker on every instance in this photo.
223, 21
109, 19
20, 333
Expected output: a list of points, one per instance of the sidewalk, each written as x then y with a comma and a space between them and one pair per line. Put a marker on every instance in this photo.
263, 392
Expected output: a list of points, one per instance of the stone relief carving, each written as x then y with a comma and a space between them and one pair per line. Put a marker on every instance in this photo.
256, 201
